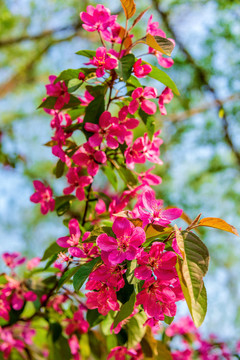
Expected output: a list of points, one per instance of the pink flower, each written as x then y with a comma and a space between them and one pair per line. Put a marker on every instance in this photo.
109, 275
107, 129
165, 98
105, 299
181, 327
100, 207
9, 343
97, 19
77, 182
161, 264
13, 259
151, 211
140, 98
4, 307
89, 157
164, 62
113, 35
84, 250
73, 239
87, 99
157, 299
81, 76
58, 90
126, 246
147, 178
153, 28
102, 61
141, 71
78, 323
31, 264
74, 347
144, 149
120, 353
183, 355
43, 195
56, 302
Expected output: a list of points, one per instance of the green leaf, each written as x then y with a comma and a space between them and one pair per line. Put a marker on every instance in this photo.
135, 329
87, 53
125, 293
74, 84
94, 317
94, 110
133, 82
126, 310
191, 271
125, 65
60, 349
59, 170
82, 274
168, 320
62, 204
111, 176
68, 74
53, 249
75, 113
73, 102
97, 90
67, 276
56, 330
48, 103
161, 76
127, 176
149, 121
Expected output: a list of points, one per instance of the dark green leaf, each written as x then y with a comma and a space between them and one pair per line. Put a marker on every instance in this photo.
125, 293
135, 329
62, 203
67, 276
74, 84
94, 317
69, 74
55, 330
48, 103
73, 102
125, 65
59, 170
125, 310
149, 121
83, 273
94, 110
53, 249
168, 320
75, 113
60, 349
97, 90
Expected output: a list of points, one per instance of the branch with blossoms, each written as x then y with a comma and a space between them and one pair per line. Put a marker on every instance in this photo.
103, 290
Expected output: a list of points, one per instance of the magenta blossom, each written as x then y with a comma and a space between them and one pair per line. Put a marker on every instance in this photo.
113, 35
141, 71
126, 246
105, 299
147, 178
120, 353
157, 299
74, 347
165, 98
107, 129
18, 293
140, 98
13, 259
103, 61
73, 239
110, 275
77, 323
151, 211
9, 343
161, 264
58, 90
84, 250
144, 149
77, 182
164, 62
100, 207
43, 195
31, 264
89, 157
97, 19
87, 99
4, 307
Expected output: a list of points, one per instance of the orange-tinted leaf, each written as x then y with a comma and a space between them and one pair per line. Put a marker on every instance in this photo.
129, 8
161, 44
218, 224
127, 42
154, 230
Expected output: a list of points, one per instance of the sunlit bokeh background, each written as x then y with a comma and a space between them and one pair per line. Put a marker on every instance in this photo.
201, 151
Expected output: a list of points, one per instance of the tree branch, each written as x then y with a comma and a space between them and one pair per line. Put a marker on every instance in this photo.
194, 111
202, 74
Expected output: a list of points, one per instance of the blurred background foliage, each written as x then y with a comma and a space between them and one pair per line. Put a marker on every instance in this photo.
201, 150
